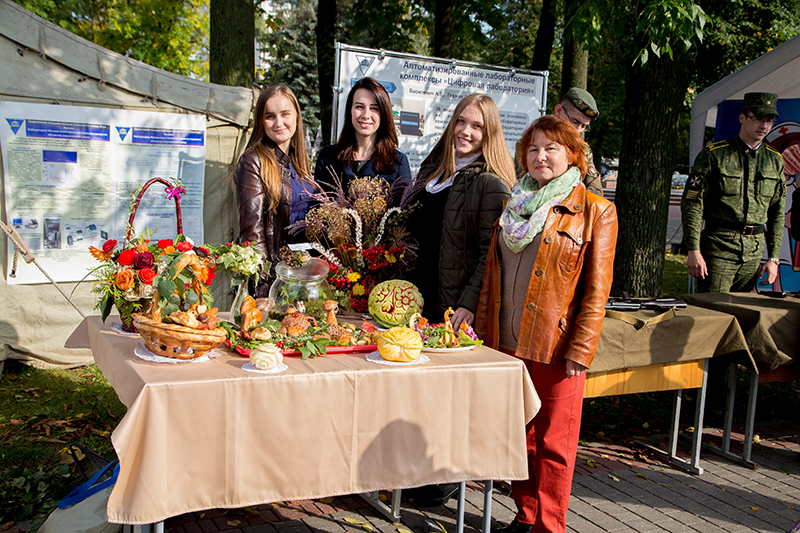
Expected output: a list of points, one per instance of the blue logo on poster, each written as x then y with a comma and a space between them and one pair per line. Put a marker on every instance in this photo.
123, 132
15, 123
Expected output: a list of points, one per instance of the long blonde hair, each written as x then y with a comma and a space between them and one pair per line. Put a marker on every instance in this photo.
260, 143
495, 150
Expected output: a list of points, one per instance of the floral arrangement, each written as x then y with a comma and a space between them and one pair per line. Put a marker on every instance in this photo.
128, 275
240, 261
362, 236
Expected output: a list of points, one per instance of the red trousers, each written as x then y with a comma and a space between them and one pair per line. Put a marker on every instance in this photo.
542, 500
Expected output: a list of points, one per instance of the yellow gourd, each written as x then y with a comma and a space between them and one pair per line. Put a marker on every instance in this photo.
400, 344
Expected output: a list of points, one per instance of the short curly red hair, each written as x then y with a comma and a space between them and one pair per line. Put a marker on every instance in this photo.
559, 131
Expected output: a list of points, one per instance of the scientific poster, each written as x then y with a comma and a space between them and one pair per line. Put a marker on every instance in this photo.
425, 90
69, 173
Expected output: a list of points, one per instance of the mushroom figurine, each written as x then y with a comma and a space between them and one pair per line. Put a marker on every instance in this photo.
330, 308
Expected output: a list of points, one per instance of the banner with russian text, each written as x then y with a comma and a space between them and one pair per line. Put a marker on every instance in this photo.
69, 173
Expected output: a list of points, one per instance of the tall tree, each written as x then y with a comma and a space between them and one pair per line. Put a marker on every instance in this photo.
288, 45
167, 34
326, 35
443, 35
545, 36
652, 38
575, 70
233, 38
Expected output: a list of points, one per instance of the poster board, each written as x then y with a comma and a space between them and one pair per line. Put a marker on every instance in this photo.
425, 90
70, 172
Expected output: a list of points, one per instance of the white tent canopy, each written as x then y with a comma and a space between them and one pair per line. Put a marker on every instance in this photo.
45, 64
774, 72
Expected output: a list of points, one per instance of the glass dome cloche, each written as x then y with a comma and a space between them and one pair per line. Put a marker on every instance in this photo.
303, 287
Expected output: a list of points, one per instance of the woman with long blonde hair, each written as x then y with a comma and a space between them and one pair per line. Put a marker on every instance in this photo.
463, 182
273, 178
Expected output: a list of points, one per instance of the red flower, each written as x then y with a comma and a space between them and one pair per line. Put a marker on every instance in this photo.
211, 274
164, 243
126, 257
109, 245
184, 246
147, 275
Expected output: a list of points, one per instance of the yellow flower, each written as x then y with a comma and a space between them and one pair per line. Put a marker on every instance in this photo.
358, 289
390, 258
353, 277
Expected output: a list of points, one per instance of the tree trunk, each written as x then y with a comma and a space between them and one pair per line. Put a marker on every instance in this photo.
232, 42
575, 66
653, 102
326, 63
545, 36
443, 30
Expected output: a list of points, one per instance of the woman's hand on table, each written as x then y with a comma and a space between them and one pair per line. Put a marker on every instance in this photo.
574, 369
461, 315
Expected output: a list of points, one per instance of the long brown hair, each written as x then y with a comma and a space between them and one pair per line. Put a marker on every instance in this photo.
557, 130
385, 159
495, 150
263, 146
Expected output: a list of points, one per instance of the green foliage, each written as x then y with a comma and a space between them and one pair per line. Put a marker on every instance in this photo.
742, 30
41, 411
639, 30
168, 34
287, 45
26, 493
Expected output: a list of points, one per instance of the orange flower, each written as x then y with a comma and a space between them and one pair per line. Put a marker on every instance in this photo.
142, 246
100, 255
124, 279
167, 250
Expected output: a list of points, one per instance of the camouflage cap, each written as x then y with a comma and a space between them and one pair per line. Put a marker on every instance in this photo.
582, 101
761, 104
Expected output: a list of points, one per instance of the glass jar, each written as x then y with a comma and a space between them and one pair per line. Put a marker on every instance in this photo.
304, 288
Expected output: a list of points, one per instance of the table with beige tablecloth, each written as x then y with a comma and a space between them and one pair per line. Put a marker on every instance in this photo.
210, 435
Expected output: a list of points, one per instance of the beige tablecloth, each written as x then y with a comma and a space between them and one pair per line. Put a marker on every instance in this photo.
770, 325
208, 434
693, 333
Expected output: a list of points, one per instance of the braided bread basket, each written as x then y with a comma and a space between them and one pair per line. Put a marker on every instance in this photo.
176, 341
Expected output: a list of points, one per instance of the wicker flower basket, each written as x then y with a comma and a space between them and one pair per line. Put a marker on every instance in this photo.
176, 341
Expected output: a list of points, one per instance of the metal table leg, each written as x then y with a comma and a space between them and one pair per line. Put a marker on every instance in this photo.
693, 464
391, 513
462, 493
488, 486
727, 428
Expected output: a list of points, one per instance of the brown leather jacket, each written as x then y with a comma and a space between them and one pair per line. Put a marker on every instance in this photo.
256, 222
569, 285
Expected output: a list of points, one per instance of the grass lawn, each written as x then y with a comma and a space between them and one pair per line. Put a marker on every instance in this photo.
41, 413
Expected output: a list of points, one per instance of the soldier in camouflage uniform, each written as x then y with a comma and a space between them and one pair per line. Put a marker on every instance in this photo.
579, 108
737, 187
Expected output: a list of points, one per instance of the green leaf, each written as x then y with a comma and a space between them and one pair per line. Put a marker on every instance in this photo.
106, 305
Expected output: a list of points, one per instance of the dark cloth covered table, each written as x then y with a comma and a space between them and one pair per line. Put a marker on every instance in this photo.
770, 325
692, 334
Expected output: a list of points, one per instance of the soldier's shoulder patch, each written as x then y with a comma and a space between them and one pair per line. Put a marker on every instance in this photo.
773, 150
693, 183
692, 195
717, 145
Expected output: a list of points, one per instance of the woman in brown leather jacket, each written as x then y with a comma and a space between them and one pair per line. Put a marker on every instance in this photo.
547, 279
273, 183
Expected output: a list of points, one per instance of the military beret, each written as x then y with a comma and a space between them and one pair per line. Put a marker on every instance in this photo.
582, 101
761, 104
